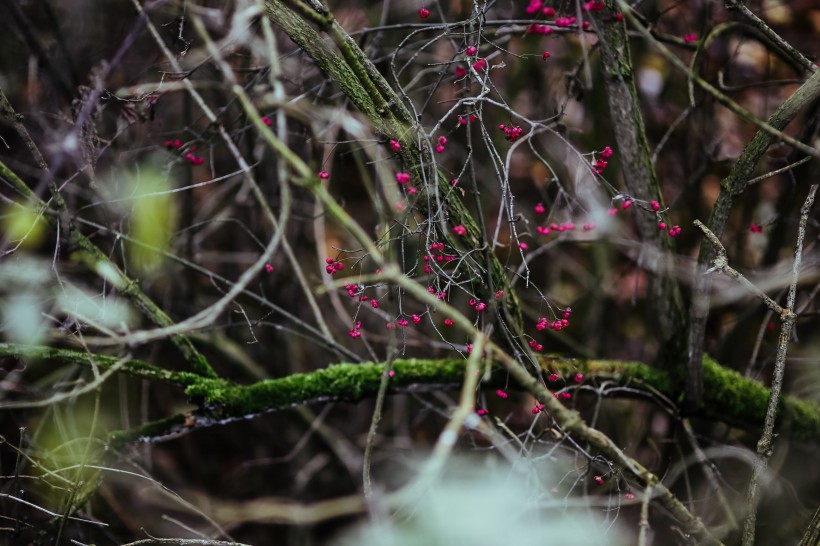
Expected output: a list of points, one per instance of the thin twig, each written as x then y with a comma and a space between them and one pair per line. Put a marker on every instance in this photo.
765, 446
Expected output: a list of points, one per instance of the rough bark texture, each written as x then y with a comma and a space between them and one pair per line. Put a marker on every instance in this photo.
665, 303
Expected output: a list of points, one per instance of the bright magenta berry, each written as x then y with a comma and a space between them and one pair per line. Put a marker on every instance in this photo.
424, 13
599, 480
626, 204
402, 178
269, 268
472, 50
545, 55
554, 377
539, 208
323, 175
395, 145
655, 206
448, 322
460, 230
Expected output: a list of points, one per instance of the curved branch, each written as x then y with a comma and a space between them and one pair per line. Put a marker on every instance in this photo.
730, 397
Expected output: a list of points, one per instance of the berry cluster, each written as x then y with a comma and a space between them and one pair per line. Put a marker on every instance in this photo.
440, 257
513, 132
464, 120
442, 140
539, 29
355, 332
501, 394
477, 305
538, 408
594, 5
333, 266
560, 228
176, 144
556, 325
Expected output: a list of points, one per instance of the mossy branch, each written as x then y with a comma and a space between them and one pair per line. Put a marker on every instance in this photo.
729, 397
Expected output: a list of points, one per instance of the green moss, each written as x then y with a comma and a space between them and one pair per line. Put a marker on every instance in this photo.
348, 382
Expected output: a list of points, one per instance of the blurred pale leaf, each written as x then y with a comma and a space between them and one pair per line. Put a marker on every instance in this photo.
25, 225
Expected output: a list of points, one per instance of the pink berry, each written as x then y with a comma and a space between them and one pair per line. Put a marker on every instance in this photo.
267, 121
662, 226
323, 175
448, 322
402, 178
548, 11
472, 50
424, 13
269, 268
460, 230
655, 206
579, 377
391, 374
539, 208
523, 246
626, 204
545, 55
439, 149
395, 145
599, 480
554, 377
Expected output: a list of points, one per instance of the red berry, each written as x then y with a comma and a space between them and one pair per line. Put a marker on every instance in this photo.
424, 13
